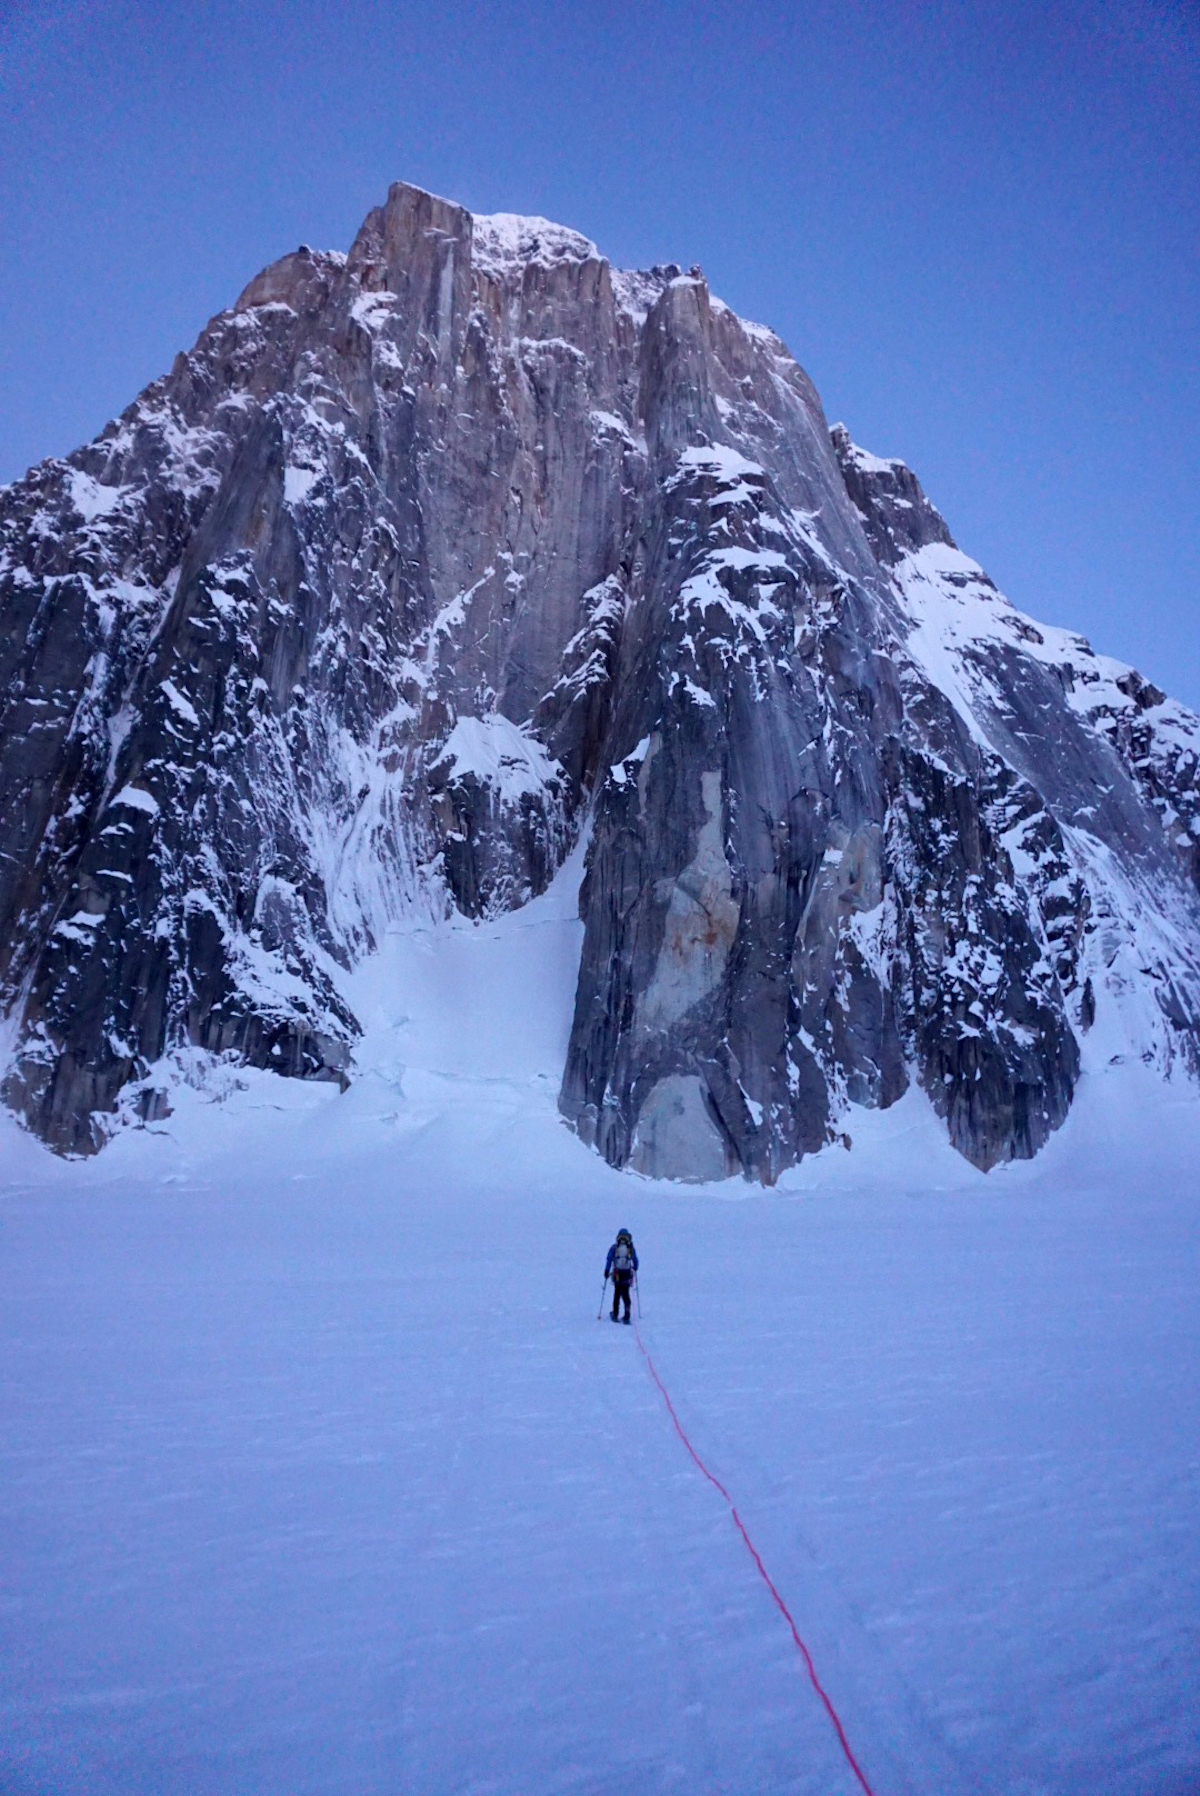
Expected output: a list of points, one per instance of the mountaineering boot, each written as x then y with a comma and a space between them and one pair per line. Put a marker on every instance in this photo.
626, 1320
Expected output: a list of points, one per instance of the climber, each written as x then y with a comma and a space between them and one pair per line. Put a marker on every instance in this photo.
621, 1266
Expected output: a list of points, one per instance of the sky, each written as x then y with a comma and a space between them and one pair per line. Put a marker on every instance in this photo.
975, 224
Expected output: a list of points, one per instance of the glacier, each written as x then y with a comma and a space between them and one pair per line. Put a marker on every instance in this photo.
318, 1473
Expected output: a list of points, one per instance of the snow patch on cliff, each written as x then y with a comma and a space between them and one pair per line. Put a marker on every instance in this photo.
90, 499
134, 798
505, 241
500, 754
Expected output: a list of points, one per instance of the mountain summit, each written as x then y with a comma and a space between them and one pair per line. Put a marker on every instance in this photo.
429, 557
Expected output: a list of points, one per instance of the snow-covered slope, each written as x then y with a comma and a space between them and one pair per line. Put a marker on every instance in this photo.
1118, 759
318, 1473
428, 554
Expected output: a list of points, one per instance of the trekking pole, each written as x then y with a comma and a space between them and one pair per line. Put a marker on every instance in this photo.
637, 1291
603, 1289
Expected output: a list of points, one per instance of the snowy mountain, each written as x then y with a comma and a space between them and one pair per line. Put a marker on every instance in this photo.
428, 562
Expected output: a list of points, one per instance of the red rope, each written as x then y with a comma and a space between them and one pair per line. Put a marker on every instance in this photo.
762, 1570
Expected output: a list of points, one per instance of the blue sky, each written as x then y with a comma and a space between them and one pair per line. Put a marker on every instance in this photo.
976, 225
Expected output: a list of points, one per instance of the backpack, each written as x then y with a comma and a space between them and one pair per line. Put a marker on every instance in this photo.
623, 1257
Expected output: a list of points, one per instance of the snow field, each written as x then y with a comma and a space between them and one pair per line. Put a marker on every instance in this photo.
318, 1474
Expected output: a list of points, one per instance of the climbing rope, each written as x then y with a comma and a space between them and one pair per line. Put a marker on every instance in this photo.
762, 1570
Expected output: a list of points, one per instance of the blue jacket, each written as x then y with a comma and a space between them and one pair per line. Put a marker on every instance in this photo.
612, 1255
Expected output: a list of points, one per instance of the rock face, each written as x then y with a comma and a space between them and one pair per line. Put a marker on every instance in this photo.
427, 554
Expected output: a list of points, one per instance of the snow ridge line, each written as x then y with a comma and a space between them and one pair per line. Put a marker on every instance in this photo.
763, 1573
